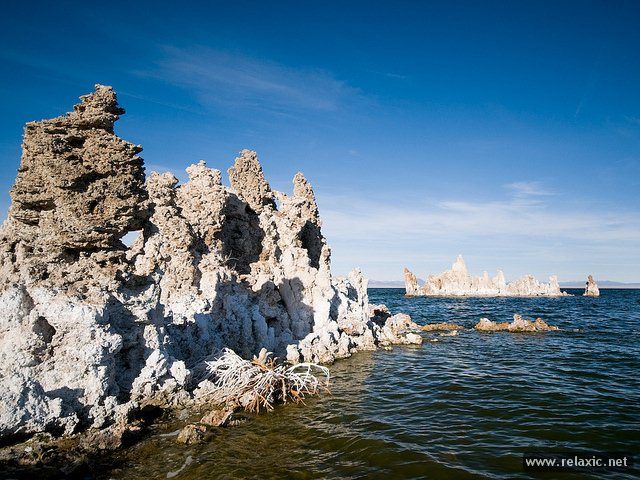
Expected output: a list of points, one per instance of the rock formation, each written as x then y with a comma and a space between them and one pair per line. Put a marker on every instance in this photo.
440, 327
457, 282
519, 325
411, 284
91, 329
400, 330
591, 289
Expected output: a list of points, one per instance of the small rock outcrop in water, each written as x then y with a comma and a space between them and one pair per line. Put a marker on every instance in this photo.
91, 329
440, 327
457, 282
519, 325
396, 329
591, 289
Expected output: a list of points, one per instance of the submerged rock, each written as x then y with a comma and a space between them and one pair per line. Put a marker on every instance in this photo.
192, 434
217, 417
518, 325
486, 325
91, 329
440, 327
452, 333
591, 289
112, 437
457, 282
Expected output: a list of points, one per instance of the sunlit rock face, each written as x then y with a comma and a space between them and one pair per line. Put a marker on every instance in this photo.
591, 289
90, 328
411, 283
518, 325
79, 186
457, 282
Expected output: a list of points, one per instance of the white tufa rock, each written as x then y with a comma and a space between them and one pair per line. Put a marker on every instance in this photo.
591, 289
91, 329
457, 282
518, 325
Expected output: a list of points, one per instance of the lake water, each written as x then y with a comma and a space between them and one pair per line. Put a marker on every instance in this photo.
463, 406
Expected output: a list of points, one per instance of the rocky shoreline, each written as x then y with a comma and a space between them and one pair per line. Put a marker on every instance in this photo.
203, 318
95, 334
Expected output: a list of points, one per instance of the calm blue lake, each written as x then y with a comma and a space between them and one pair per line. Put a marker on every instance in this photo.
463, 406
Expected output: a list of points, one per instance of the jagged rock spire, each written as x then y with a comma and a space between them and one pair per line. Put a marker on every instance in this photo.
302, 189
248, 180
410, 283
79, 186
591, 289
99, 109
459, 265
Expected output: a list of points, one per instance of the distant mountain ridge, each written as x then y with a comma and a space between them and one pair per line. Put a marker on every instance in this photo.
601, 284
571, 284
386, 284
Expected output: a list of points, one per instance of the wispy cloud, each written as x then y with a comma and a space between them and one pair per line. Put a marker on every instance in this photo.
392, 75
528, 189
462, 218
508, 230
219, 78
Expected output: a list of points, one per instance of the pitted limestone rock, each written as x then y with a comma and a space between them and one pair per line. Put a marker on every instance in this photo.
79, 186
90, 329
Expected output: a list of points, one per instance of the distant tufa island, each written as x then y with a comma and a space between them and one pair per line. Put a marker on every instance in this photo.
591, 290
94, 330
457, 282
602, 284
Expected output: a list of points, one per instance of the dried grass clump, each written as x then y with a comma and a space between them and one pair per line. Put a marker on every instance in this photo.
261, 382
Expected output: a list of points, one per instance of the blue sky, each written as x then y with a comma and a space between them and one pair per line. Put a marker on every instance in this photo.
508, 133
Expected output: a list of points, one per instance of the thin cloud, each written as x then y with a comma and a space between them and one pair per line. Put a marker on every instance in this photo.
395, 76
528, 189
221, 79
455, 219
508, 233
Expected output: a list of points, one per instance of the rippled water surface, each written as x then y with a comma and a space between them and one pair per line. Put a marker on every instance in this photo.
463, 406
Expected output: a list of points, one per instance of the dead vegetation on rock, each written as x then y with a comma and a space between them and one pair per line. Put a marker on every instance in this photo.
261, 383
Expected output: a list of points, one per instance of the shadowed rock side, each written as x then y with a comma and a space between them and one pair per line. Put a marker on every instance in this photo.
591, 289
457, 282
91, 330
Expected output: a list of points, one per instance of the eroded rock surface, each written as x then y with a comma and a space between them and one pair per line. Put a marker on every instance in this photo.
591, 289
412, 289
192, 434
400, 329
440, 327
91, 329
457, 282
